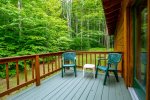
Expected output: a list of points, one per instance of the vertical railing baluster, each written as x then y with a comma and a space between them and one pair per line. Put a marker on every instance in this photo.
95, 59
56, 62
82, 59
86, 58
105, 58
59, 61
78, 59
7, 75
90, 58
48, 66
100, 60
17, 72
52, 67
25, 71
32, 66
43, 66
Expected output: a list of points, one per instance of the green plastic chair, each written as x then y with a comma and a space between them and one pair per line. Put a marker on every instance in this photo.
68, 60
113, 59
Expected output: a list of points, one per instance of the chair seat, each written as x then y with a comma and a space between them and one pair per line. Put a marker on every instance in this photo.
104, 68
68, 65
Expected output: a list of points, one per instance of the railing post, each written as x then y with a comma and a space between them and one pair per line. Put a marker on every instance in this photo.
37, 69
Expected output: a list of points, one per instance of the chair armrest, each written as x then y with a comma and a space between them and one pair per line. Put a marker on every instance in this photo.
101, 58
62, 61
75, 60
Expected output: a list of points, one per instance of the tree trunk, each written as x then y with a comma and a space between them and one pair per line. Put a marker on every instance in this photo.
99, 32
76, 25
19, 9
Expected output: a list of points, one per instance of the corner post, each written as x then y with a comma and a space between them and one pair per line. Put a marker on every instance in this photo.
37, 70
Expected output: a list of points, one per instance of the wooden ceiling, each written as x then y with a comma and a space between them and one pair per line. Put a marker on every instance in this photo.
111, 10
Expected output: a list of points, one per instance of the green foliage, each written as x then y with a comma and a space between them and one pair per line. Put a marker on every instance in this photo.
41, 26
86, 20
36, 27
33, 27
76, 44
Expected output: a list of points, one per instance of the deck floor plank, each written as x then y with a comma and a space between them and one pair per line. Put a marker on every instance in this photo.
125, 93
81, 90
99, 91
93, 90
75, 88
38, 95
105, 94
34, 89
71, 89
87, 90
60, 90
112, 88
74, 91
118, 91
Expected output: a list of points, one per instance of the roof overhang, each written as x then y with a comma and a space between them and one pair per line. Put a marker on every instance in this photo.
112, 11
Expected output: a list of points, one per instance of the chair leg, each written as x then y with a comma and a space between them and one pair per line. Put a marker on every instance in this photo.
96, 73
75, 71
106, 74
62, 71
93, 72
116, 75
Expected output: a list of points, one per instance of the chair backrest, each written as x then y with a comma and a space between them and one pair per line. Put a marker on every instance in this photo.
69, 56
114, 58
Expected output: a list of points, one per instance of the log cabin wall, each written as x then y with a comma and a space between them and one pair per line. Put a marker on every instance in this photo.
124, 42
123, 31
123, 39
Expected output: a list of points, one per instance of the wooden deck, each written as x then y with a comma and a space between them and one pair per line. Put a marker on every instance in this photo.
75, 88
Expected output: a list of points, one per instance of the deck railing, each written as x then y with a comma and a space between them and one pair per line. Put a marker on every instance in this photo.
36, 67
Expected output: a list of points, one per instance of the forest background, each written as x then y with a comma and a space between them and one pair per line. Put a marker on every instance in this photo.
40, 26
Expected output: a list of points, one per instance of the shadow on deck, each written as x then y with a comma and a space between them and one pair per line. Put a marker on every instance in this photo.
75, 88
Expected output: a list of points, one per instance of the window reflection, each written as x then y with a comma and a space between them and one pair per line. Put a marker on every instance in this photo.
142, 48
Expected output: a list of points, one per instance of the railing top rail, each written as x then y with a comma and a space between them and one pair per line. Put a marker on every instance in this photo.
99, 52
13, 59
50, 54
16, 58
93, 51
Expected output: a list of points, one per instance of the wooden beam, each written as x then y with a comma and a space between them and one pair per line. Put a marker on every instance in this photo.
109, 20
130, 31
108, 3
113, 21
112, 6
110, 27
111, 17
112, 14
112, 11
